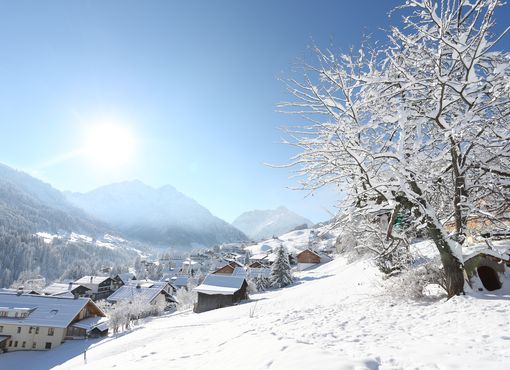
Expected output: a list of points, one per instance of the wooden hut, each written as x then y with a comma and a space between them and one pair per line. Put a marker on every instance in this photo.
217, 291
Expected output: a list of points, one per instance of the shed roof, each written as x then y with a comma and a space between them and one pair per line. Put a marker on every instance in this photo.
220, 284
129, 292
49, 311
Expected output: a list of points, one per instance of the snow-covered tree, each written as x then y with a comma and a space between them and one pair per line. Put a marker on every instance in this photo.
420, 126
281, 275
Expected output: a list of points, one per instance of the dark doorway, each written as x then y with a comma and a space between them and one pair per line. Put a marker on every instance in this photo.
48, 345
489, 278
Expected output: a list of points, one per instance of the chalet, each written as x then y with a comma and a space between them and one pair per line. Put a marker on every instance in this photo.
124, 278
308, 258
67, 289
39, 322
153, 295
217, 291
100, 286
228, 269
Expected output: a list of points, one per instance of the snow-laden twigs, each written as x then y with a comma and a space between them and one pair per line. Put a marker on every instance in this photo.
420, 126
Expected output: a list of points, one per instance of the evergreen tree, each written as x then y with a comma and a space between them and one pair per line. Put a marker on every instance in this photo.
280, 270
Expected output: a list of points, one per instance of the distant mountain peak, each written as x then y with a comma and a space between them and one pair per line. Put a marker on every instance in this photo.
263, 224
162, 216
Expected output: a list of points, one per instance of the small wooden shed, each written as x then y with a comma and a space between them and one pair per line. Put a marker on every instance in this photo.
308, 256
217, 291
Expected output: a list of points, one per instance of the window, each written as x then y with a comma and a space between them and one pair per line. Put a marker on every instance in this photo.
30, 330
15, 343
19, 329
24, 344
24, 314
3, 313
48, 345
37, 330
51, 331
10, 343
16, 314
33, 345
1, 329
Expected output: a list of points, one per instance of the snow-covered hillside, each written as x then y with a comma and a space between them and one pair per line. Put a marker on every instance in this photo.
263, 224
334, 317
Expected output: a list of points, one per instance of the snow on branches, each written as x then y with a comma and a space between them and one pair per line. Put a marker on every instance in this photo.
420, 126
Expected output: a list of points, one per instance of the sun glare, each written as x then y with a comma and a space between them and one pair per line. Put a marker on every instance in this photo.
109, 145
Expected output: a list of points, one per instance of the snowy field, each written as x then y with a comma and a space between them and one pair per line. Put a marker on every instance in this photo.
334, 317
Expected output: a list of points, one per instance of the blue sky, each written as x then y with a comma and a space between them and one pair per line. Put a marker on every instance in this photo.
196, 82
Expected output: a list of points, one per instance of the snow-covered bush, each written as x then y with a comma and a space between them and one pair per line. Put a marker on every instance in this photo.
412, 283
281, 275
123, 313
186, 298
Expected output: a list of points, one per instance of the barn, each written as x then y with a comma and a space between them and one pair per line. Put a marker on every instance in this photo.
217, 291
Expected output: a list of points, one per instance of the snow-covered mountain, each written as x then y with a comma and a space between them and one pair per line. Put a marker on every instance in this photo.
263, 224
32, 205
161, 216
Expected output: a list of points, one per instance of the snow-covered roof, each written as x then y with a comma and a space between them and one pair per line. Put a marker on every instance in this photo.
92, 322
489, 252
60, 288
239, 271
129, 292
252, 272
180, 281
91, 280
259, 272
220, 284
50, 311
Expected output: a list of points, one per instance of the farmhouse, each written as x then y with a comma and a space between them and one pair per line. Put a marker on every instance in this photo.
217, 291
100, 286
38, 322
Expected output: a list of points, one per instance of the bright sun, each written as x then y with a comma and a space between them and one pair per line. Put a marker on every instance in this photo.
109, 145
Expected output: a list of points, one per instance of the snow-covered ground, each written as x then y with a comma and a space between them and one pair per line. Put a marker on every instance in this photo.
335, 317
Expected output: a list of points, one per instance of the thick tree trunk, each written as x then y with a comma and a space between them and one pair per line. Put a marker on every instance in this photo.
453, 268
454, 272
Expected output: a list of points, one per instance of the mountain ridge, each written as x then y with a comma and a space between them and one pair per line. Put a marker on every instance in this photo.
162, 216
264, 224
